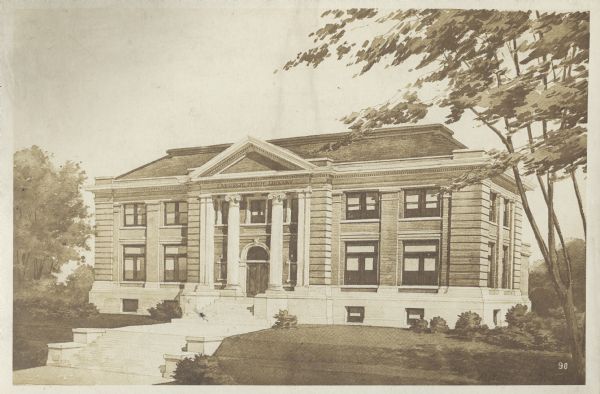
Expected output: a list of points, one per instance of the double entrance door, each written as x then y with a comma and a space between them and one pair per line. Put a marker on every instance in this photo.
257, 277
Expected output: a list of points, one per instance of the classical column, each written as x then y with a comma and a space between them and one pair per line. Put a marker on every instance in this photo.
233, 241
300, 240
306, 246
276, 253
207, 241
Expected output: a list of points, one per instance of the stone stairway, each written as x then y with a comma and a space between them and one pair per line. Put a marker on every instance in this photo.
141, 350
137, 352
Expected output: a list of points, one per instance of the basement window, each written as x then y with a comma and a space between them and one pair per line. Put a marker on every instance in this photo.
130, 305
414, 314
355, 314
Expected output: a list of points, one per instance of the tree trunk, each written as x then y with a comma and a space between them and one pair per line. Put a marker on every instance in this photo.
579, 202
576, 343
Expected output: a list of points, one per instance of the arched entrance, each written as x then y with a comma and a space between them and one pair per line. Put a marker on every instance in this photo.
257, 269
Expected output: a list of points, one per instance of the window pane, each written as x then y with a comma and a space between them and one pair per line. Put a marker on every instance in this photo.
431, 205
369, 263
129, 209
361, 248
142, 218
169, 275
169, 264
352, 264
170, 207
429, 264
371, 201
412, 197
353, 200
183, 219
412, 205
128, 264
141, 264
431, 196
170, 218
411, 264
420, 248
129, 220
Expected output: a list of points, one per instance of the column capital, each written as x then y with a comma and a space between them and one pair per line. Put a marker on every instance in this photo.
277, 197
233, 199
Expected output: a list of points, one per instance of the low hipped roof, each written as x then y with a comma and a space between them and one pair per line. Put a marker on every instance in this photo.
383, 144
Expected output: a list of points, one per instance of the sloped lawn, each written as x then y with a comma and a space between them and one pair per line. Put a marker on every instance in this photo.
378, 355
31, 334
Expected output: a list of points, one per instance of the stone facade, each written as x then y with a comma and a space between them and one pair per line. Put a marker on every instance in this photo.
359, 235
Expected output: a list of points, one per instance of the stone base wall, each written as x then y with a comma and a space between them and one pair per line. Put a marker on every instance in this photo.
383, 306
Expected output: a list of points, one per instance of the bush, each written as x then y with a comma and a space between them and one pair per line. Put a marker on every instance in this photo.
200, 370
418, 325
166, 310
468, 325
517, 316
438, 324
54, 307
284, 320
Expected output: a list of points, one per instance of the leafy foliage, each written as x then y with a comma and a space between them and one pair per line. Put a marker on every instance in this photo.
510, 66
438, 324
166, 310
50, 218
418, 325
283, 319
200, 370
541, 292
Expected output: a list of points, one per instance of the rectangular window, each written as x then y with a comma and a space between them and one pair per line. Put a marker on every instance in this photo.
355, 314
135, 214
506, 214
493, 207
175, 269
364, 205
258, 211
505, 267
361, 263
422, 203
176, 213
420, 263
134, 262
414, 314
491, 265
130, 305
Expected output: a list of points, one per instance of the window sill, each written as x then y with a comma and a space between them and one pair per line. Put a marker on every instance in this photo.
418, 289
362, 288
173, 226
132, 228
359, 221
420, 218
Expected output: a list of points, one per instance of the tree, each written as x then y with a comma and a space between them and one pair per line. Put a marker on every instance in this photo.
50, 217
521, 74
541, 291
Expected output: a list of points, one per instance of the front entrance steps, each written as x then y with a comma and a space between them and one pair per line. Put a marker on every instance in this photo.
146, 350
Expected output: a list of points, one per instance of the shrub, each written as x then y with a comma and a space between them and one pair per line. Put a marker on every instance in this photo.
438, 324
517, 316
166, 310
418, 325
200, 370
54, 307
468, 321
468, 325
284, 320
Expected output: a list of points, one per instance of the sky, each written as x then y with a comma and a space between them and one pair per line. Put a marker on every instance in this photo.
115, 88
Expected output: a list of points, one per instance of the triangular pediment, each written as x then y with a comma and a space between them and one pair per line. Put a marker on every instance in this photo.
252, 155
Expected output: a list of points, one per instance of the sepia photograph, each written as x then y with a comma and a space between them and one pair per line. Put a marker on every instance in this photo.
297, 194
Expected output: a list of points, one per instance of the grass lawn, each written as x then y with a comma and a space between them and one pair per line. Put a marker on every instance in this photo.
379, 355
31, 334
